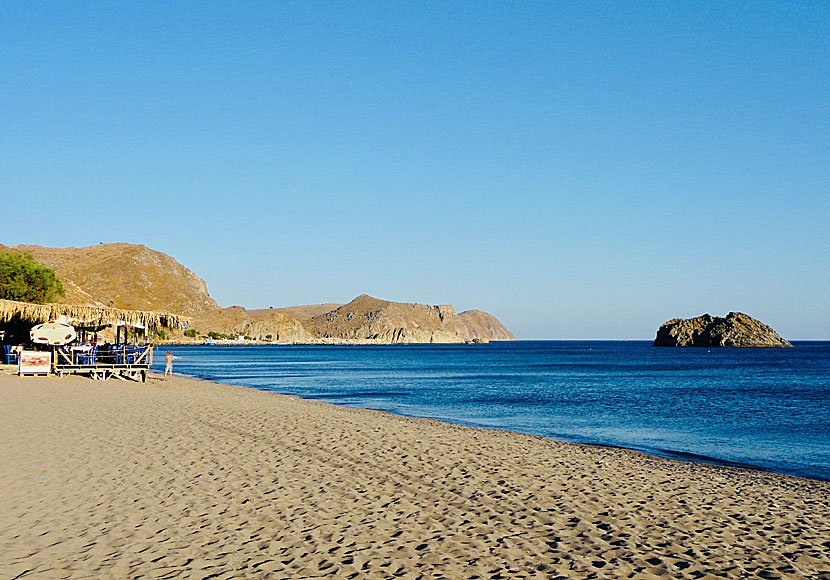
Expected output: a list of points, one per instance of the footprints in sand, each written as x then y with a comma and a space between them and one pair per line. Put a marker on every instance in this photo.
216, 482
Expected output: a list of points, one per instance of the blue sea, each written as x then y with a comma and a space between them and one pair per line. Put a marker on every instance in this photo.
765, 409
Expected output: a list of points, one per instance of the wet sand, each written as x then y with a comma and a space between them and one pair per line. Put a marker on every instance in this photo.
192, 479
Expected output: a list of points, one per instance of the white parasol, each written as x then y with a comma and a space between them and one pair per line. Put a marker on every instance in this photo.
54, 333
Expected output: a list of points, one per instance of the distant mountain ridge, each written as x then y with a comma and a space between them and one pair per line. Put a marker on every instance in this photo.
368, 318
136, 277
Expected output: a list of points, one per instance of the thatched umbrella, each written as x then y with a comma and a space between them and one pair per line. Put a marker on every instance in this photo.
11, 310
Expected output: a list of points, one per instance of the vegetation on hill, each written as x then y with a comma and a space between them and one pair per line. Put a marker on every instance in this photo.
735, 330
135, 277
24, 280
124, 275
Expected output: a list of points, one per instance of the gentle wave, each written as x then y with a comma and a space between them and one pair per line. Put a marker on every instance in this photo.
762, 408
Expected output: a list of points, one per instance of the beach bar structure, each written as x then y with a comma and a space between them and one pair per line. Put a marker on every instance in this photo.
121, 360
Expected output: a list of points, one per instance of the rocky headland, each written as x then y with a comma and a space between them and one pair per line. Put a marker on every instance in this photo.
734, 330
136, 277
364, 320
373, 319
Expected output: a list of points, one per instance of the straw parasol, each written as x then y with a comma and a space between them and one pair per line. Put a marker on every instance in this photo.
92, 315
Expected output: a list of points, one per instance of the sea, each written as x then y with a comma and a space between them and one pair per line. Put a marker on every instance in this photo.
764, 408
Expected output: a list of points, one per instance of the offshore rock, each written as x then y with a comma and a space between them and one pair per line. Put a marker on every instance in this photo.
735, 330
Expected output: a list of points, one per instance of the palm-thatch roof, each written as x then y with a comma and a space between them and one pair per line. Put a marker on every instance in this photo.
90, 315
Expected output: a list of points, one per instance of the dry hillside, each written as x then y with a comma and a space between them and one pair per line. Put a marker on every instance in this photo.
135, 277
238, 321
485, 326
368, 318
298, 312
124, 276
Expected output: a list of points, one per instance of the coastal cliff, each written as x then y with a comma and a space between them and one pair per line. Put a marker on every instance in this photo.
371, 319
136, 277
734, 330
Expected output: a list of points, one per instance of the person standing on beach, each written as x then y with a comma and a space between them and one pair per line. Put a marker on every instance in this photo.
168, 365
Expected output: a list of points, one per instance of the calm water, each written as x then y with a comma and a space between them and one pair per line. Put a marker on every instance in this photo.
762, 408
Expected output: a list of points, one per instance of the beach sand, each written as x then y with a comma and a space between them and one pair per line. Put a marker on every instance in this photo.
192, 479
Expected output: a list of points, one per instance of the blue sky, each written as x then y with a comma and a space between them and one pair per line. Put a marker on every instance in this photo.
578, 169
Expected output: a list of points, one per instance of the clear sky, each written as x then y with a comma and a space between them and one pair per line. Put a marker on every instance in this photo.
578, 169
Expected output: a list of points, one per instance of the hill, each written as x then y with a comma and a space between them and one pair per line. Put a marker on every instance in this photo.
298, 312
236, 321
135, 277
371, 319
124, 276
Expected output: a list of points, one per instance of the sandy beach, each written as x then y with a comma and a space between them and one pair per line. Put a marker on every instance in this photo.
192, 479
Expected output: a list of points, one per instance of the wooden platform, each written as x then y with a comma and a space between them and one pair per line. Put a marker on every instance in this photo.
102, 372
122, 365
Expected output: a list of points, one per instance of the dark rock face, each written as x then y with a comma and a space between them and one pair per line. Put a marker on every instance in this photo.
736, 330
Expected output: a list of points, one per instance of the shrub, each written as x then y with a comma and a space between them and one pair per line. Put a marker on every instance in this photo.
23, 279
191, 333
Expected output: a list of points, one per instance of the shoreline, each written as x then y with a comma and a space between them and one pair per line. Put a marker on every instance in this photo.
320, 342
659, 454
663, 454
190, 478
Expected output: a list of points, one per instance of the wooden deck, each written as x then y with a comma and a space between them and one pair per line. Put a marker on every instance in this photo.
121, 362
102, 372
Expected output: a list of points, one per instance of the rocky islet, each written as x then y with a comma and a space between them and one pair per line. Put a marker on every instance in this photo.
734, 330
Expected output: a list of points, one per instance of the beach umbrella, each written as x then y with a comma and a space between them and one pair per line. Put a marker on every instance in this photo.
54, 333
